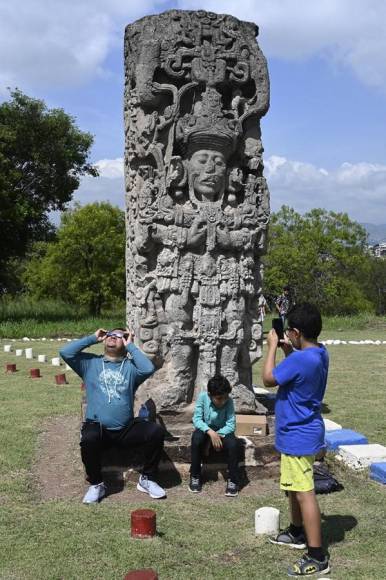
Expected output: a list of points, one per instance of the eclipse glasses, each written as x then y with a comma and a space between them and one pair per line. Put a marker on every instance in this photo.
116, 334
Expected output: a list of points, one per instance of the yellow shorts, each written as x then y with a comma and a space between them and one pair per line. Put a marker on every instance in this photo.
296, 473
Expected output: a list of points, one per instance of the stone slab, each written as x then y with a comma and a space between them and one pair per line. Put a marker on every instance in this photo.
378, 471
362, 456
331, 425
335, 439
260, 390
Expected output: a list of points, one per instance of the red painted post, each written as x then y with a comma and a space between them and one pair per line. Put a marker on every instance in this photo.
143, 524
10, 368
61, 379
35, 373
145, 574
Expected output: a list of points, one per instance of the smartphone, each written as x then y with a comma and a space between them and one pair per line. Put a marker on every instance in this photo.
277, 325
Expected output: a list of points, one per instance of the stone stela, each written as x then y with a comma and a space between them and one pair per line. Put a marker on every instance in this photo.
196, 86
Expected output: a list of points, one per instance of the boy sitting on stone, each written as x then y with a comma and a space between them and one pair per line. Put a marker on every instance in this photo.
302, 378
214, 421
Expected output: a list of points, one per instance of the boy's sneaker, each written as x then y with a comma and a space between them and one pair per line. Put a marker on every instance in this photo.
195, 485
232, 489
95, 493
308, 566
151, 487
285, 538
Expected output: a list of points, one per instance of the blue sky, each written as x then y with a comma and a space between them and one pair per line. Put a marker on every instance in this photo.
324, 135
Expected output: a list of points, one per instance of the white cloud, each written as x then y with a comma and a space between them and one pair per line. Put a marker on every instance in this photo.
45, 42
110, 168
67, 42
357, 189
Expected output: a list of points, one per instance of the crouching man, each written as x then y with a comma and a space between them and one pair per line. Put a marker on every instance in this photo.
111, 381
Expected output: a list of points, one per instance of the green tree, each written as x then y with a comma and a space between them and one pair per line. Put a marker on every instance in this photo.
322, 255
42, 157
86, 263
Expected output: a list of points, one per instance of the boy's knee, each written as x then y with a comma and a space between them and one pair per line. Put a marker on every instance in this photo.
230, 443
90, 434
198, 438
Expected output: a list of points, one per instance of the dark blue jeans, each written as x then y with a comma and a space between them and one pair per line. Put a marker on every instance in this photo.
230, 446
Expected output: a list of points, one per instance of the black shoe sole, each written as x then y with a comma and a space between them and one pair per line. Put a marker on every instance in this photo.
294, 546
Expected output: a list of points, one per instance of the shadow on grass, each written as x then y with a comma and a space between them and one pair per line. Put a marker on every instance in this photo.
335, 527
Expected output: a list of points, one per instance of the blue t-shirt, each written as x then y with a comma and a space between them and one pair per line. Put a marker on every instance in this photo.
302, 379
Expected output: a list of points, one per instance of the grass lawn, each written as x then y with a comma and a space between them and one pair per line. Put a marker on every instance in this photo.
199, 537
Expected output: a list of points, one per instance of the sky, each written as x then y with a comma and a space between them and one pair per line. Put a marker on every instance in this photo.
324, 135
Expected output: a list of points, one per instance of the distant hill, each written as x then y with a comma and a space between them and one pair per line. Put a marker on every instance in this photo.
377, 233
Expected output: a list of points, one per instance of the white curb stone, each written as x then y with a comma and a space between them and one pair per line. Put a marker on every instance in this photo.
42, 358
260, 390
7, 347
361, 456
19, 352
55, 361
331, 425
29, 353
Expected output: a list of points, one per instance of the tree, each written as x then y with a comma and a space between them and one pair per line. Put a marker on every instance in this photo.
42, 157
86, 264
322, 255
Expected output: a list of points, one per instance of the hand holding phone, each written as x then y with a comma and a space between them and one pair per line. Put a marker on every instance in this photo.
277, 325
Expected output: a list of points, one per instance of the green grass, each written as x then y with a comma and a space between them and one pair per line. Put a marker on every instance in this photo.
199, 537
51, 318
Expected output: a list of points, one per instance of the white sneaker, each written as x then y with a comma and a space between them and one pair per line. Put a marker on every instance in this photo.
95, 493
151, 487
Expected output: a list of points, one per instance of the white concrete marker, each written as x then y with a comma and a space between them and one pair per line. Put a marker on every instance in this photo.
42, 358
29, 353
267, 521
55, 361
331, 425
361, 456
260, 390
19, 352
7, 347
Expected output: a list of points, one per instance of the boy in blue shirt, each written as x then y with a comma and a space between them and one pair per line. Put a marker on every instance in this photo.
302, 378
215, 423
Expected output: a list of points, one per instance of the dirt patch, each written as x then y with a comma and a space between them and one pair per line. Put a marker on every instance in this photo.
59, 474
58, 469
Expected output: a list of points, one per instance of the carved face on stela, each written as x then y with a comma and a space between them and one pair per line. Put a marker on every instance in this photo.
207, 174
208, 138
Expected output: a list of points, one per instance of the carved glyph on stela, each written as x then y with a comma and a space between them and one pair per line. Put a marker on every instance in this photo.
197, 202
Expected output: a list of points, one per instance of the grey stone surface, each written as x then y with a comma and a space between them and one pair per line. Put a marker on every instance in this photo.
197, 201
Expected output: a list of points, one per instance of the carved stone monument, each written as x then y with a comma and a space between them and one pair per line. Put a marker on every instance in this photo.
197, 202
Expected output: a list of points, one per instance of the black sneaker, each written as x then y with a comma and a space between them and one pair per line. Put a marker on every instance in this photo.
285, 538
308, 566
195, 484
232, 489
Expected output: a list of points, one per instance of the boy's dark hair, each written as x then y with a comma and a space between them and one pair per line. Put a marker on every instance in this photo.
218, 385
306, 318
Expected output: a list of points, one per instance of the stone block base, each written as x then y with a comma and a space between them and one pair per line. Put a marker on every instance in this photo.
258, 459
362, 456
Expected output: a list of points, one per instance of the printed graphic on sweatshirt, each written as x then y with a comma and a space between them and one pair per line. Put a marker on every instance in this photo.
112, 383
